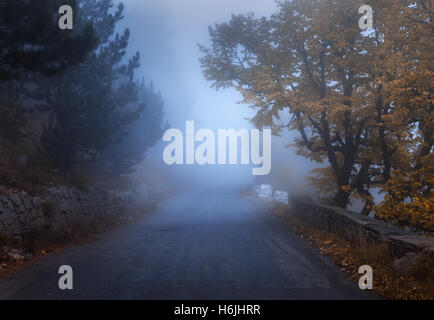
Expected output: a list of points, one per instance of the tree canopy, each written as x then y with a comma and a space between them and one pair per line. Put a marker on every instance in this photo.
88, 103
360, 100
77, 88
30, 40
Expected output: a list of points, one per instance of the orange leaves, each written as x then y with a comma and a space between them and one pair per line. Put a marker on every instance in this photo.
410, 197
349, 256
360, 102
347, 189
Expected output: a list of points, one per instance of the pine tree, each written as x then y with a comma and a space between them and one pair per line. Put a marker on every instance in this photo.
31, 41
88, 104
142, 133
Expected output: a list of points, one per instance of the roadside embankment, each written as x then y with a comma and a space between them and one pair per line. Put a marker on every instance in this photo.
61, 207
356, 227
31, 226
402, 262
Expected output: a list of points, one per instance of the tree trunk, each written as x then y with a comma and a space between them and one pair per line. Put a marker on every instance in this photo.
341, 198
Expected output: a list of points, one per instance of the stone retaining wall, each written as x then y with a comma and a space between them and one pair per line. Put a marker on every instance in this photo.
59, 207
353, 226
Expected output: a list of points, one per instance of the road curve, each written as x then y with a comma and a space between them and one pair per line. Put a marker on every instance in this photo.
199, 245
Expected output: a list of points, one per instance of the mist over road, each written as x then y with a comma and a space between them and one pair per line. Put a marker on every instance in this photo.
204, 244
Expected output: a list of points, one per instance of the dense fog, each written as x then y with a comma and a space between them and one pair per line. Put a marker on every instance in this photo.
167, 33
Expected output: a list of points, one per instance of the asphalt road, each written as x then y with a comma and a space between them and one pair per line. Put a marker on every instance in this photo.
200, 245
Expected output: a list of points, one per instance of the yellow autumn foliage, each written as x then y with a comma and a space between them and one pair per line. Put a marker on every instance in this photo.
410, 197
361, 101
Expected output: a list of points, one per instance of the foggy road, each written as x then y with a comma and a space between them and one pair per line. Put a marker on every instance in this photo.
200, 245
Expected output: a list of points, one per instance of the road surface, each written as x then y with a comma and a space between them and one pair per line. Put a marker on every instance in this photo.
200, 245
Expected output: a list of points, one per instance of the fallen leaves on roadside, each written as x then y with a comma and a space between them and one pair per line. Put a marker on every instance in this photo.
348, 257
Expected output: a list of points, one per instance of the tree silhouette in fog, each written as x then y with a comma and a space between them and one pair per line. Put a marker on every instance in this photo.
31, 43
30, 39
88, 104
142, 133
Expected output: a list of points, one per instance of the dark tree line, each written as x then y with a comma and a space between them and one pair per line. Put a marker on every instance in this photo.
30, 40
80, 81
142, 133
